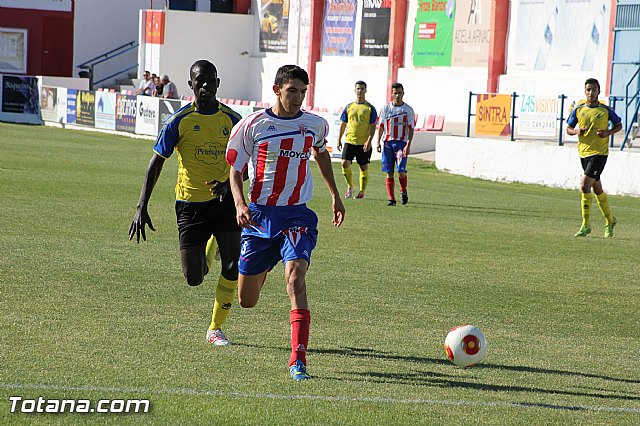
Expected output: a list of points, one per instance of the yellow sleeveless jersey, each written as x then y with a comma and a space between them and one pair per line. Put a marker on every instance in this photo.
592, 118
200, 139
359, 118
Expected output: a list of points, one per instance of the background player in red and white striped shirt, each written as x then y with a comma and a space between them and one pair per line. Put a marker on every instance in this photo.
396, 123
275, 146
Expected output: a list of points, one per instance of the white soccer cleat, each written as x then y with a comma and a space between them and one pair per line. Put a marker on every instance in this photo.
217, 338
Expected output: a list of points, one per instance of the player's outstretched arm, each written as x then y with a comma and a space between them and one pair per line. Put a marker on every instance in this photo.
243, 214
141, 218
324, 165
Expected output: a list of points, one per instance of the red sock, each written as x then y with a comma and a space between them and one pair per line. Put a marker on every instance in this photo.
391, 188
403, 183
300, 320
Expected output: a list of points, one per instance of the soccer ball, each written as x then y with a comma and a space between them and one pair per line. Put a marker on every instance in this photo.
465, 345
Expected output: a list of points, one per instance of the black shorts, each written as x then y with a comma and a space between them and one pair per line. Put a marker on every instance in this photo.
198, 221
593, 165
351, 151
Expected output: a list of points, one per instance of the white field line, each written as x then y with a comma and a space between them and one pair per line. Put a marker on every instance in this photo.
196, 392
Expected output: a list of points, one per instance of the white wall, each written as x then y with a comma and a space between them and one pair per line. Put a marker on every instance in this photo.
104, 25
188, 38
533, 162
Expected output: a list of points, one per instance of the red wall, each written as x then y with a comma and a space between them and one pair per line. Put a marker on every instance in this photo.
59, 59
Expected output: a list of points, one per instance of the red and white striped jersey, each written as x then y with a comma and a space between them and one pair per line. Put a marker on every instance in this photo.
277, 151
396, 121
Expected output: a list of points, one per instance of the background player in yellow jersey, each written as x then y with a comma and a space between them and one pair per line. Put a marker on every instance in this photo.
590, 122
199, 133
359, 120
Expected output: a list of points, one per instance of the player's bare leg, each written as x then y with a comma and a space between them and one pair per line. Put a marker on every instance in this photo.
249, 287
194, 264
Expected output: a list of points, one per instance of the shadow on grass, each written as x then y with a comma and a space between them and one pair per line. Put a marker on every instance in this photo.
370, 353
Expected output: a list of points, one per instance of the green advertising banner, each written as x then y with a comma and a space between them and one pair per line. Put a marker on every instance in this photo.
433, 33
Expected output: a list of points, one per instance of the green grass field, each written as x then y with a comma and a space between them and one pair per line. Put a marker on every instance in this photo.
87, 314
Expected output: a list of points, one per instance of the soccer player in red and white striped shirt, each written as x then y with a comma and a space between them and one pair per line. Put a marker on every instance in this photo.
396, 123
275, 146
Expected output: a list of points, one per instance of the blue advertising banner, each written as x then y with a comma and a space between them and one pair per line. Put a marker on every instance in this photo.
126, 113
20, 95
339, 27
72, 99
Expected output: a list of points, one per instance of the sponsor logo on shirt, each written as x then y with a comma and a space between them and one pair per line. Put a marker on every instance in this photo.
209, 153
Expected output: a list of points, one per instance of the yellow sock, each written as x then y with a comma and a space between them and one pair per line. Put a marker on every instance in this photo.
210, 251
586, 209
225, 295
603, 203
348, 176
364, 180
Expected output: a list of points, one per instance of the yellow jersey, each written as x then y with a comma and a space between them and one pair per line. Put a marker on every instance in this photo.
359, 119
592, 118
200, 139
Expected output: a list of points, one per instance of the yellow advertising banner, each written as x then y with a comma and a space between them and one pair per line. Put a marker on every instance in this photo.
493, 115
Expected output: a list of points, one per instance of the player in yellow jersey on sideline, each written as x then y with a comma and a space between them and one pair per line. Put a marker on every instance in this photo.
359, 120
199, 133
590, 122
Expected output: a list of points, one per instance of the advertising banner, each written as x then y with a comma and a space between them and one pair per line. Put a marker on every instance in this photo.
167, 108
20, 95
338, 28
154, 27
374, 34
61, 113
86, 108
560, 36
49, 103
106, 110
72, 105
433, 33
126, 113
20, 99
274, 25
493, 115
147, 118
537, 115
470, 46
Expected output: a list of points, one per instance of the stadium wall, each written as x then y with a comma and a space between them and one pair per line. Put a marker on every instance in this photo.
533, 162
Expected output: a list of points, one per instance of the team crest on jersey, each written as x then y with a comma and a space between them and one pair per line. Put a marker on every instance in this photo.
225, 131
303, 130
295, 233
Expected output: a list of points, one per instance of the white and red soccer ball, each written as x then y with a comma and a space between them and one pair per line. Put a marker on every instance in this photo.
465, 345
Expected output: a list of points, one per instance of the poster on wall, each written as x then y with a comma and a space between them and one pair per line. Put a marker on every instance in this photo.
49, 103
86, 108
147, 118
166, 109
338, 28
472, 33
274, 25
537, 115
106, 110
493, 115
72, 104
126, 113
433, 33
154, 27
13, 50
374, 34
560, 36
61, 113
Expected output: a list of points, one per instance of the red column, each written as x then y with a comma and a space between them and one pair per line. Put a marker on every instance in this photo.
498, 42
315, 46
396, 41
612, 23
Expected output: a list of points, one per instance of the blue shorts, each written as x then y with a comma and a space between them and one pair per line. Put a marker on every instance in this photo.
281, 233
391, 153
